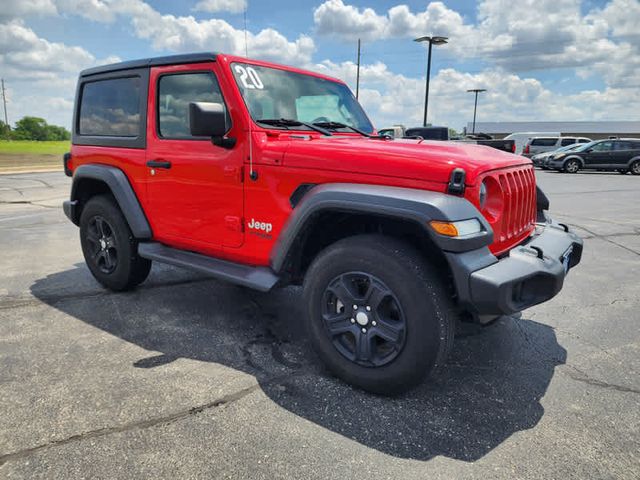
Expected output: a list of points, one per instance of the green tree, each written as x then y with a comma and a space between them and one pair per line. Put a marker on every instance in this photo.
30, 128
5, 130
55, 132
35, 128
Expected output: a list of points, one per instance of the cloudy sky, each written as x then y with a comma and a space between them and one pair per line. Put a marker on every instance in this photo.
539, 59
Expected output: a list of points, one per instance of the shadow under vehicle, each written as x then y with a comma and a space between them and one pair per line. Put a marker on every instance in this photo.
491, 388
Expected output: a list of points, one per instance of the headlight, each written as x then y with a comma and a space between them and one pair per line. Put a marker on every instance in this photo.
462, 228
483, 196
559, 155
491, 202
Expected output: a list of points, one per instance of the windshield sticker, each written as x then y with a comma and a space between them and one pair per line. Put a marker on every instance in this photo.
249, 77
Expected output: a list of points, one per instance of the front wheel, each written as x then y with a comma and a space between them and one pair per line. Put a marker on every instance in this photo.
109, 248
572, 166
379, 315
635, 168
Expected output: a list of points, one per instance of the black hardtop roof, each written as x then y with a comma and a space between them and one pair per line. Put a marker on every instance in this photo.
152, 62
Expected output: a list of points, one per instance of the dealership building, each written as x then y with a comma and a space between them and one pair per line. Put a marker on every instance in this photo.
593, 130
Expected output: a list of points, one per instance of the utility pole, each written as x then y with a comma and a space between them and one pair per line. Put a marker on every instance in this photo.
358, 73
4, 101
475, 106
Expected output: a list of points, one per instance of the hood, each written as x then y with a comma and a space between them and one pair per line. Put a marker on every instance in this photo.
414, 159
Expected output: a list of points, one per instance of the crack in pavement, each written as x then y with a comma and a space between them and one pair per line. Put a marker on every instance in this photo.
606, 238
31, 202
28, 180
141, 424
580, 376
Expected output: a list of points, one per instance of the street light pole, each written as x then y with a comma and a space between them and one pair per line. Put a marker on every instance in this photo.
475, 105
432, 41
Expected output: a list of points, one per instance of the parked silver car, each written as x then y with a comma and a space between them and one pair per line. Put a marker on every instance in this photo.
547, 144
542, 159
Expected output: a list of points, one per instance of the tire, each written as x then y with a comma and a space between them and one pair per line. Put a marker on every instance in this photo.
108, 246
409, 328
572, 166
634, 168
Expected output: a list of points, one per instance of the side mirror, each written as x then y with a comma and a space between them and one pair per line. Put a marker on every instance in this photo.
209, 120
589, 150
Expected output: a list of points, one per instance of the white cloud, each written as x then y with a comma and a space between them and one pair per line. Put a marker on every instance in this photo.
622, 16
96, 10
552, 34
25, 52
334, 17
532, 35
390, 98
21, 8
215, 6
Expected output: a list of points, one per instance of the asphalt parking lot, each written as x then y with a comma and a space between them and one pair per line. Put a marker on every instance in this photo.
187, 377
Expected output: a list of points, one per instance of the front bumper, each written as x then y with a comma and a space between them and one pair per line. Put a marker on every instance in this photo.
531, 273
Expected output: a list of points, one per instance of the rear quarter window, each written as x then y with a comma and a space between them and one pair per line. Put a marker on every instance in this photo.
111, 107
544, 142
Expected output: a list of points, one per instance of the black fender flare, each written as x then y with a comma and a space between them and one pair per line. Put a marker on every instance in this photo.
420, 206
118, 183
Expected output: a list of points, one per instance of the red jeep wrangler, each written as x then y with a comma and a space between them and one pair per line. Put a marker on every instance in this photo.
266, 175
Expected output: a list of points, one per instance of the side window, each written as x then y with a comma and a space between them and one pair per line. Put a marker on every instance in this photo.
567, 141
622, 145
583, 140
544, 142
175, 92
110, 108
602, 147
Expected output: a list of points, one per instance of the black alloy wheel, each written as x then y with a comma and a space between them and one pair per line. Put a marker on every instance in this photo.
364, 319
379, 314
108, 245
104, 245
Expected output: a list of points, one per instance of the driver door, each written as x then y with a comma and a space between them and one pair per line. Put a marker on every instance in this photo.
194, 188
599, 155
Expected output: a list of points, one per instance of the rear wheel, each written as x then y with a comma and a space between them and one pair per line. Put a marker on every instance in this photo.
378, 314
635, 168
109, 248
572, 166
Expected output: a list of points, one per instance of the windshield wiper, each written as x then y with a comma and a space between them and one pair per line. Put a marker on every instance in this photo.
336, 125
288, 122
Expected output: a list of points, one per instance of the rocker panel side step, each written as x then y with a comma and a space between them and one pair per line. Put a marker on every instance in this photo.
258, 278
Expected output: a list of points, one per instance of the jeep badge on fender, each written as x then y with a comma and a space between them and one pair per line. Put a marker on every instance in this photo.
387, 251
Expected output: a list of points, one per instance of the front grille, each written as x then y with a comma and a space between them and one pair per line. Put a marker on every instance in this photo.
519, 212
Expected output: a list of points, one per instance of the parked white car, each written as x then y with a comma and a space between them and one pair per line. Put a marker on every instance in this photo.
548, 143
521, 138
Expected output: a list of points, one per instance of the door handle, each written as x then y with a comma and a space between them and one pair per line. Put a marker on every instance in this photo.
159, 164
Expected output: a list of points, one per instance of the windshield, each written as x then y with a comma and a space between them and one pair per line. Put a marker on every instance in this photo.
568, 148
271, 93
585, 146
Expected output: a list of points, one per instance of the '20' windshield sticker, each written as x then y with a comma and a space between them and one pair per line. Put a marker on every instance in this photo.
249, 77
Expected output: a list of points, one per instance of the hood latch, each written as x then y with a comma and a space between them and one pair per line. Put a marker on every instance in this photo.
456, 182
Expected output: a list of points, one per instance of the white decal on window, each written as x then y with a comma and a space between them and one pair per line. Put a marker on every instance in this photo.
249, 77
